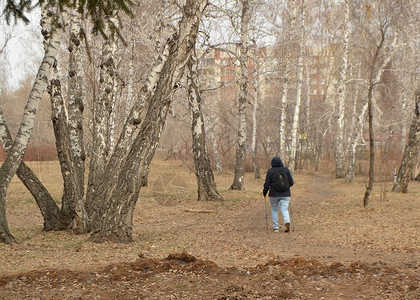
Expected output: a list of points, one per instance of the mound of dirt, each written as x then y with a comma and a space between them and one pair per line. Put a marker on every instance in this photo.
183, 276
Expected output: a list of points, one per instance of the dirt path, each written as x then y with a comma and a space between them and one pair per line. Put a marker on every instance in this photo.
238, 236
301, 243
185, 249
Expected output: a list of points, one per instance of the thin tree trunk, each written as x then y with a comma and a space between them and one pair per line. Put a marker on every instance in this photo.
15, 155
254, 132
207, 189
283, 117
238, 180
301, 67
218, 162
54, 219
371, 148
373, 80
355, 128
410, 151
119, 196
340, 170
354, 142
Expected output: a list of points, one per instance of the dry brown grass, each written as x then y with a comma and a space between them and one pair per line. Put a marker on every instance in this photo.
331, 224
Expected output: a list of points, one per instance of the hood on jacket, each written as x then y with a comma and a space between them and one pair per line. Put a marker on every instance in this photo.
277, 162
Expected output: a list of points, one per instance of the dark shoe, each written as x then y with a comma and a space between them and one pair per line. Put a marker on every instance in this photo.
275, 230
287, 227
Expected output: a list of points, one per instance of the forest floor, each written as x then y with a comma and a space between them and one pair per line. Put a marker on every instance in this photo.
186, 249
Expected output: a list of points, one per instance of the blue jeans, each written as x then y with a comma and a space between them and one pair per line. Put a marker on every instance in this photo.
284, 205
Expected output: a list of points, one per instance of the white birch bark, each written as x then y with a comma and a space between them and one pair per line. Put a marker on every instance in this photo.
283, 117
340, 170
254, 130
113, 114
206, 185
75, 99
300, 80
120, 192
356, 136
410, 151
218, 162
15, 155
238, 181
130, 81
102, 119
375, 76
404, 120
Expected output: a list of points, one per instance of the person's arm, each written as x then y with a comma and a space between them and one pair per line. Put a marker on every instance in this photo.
290, 177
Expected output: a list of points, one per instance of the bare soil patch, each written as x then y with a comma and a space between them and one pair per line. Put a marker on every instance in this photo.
185, 249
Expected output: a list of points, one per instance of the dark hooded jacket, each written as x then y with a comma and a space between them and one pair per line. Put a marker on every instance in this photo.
276, 164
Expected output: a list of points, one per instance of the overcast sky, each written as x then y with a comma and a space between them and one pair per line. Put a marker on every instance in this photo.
23, 52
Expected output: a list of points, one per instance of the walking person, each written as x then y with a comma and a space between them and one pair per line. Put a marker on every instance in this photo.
277, 184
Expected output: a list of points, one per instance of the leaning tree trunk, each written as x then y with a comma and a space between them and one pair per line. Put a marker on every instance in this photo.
54, 219
410, 151
96, 199
374, 80
355, 136
72, 201
340, 170
205, 179
121, 187
238, 180
15, 155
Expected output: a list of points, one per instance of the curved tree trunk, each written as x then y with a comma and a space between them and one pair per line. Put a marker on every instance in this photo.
15, 155
119, 192
238, 180
410, 151
54, 219
205, 179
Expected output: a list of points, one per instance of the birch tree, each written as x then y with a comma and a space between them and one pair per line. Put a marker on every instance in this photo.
54, 219
340, 170
256, 97
381, 38
205, 180
238, 180
121, 186
410, 151
299, 84
15, 154
103, 106
75, 98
